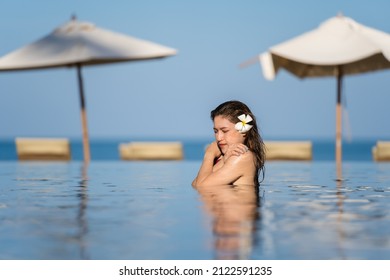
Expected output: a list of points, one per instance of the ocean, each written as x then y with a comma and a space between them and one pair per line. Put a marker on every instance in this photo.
323, 150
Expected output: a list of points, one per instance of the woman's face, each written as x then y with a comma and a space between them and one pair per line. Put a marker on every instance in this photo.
226, 134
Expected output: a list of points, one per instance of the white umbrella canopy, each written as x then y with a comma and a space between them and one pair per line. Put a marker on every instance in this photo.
83, 43
339, 46
78, 44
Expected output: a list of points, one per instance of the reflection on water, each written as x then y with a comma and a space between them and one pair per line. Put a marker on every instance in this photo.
45, 205
148, 210
235, 210
82, 216
326, 212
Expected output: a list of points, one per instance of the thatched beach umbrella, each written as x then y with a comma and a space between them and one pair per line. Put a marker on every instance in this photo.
339, 46
77, 44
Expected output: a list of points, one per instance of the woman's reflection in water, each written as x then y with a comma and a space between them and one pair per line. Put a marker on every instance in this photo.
235, 210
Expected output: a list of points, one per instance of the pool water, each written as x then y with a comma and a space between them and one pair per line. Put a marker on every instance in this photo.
149, 210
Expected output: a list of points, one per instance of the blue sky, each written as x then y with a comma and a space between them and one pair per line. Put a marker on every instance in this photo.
172, 98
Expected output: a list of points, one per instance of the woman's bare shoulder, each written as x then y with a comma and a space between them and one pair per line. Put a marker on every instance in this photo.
243, 159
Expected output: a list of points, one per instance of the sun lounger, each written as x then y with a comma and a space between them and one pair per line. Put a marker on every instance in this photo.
43, 148
381, 151
288, 150
151, 151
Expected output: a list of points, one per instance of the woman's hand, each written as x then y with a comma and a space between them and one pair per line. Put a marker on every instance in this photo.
235, 150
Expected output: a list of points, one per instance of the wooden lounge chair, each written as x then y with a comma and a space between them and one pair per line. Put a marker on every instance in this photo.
151, 151
43, 149
381, 151
288, 150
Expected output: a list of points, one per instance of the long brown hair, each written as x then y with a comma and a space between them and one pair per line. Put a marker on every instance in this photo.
231, 110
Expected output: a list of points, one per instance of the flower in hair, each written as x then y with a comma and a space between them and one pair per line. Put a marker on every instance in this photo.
243, 126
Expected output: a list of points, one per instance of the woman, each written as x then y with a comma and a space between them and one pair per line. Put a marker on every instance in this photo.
237, 155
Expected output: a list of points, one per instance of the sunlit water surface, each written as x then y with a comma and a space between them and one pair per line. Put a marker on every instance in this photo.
148, 210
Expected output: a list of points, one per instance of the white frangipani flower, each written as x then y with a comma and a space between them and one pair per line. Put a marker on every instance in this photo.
243, 126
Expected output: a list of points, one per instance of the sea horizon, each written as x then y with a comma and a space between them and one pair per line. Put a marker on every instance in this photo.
107, 148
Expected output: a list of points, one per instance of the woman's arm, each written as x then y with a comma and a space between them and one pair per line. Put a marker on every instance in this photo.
236, 160
212, 152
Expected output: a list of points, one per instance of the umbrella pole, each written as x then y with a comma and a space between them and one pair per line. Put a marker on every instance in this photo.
339, 118
87, 154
